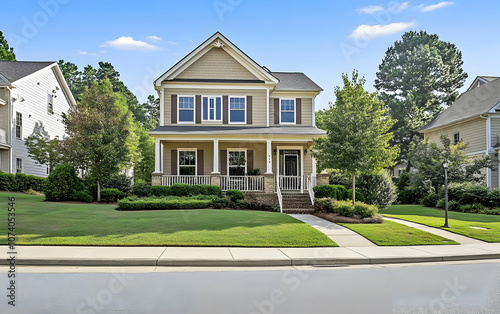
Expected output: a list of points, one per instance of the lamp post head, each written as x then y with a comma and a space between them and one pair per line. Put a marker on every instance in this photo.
445, 164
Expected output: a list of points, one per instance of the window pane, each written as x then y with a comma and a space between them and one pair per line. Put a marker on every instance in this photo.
187, 158
287, 117
237, 103
186, 102
217, 108
186, 115
236, 171
205, 108
237, 116
187, 171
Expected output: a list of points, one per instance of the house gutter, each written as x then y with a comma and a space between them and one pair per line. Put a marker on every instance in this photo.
488, 147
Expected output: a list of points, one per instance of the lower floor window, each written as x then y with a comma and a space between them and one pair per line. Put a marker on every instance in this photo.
237, 163
187, 163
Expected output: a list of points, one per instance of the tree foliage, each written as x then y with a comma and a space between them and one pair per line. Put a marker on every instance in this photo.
418, 77
358, 136
6, 52
428, 161
45, 151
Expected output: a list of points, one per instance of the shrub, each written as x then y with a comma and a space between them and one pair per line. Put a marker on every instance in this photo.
83, 196
164, 203
160, 190
178, 189
359, 195
111, 195
408, 195
235, 195
141, 188
324, 205
403, 180
493, 198
453, 205
365, 210
254, 172
118, 181
338, 192
429, 200
62, 184
440, 203
214, 190
377, 188
472, 208
468, 193
220, 203
20, 182
244, 204
343, 208
491, 211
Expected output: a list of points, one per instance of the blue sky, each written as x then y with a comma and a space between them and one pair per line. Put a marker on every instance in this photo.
323, 39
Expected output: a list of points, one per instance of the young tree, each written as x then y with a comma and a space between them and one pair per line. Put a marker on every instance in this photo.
146, 163
419, 75
100, 133
44, 151
6, 52
428, 161
357, 126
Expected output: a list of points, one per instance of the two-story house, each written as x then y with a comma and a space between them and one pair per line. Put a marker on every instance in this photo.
32, 97
473, 118
223, 116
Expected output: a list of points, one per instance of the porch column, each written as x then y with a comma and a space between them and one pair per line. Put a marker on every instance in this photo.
313, 172
269, 168
157, 155
216, 157
302, 170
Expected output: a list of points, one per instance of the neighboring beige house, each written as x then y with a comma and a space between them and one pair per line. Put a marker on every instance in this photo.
473, 118
222, 116
32, 97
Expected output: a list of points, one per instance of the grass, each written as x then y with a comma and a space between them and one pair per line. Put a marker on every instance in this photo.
460, 223
391, 233
49, 223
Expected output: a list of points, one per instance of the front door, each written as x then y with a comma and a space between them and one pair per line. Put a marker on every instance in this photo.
289, 170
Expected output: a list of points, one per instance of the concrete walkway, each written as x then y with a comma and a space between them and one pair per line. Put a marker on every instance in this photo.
440, 232
343, 236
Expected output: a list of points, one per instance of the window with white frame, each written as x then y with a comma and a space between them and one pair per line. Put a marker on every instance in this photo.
19, 165
212, 108
287, 112
456, 138
186, 109
237, 109
237, 162
187, 162
50, 104
19, 125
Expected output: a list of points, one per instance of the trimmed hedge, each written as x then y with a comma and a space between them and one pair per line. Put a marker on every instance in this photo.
141, 188
430, 200
345, 208
21, 182
111, 195
84, 196
178, 189
235, 195
163, 203
338, 192
159, 190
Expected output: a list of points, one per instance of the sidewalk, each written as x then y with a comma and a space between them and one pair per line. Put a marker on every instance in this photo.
231, 256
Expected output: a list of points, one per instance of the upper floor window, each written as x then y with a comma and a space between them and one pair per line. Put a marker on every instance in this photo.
212, 108
237, 109
187, 162
186, 109
19, 165
50, 104
456, 138
19, 125
287, 111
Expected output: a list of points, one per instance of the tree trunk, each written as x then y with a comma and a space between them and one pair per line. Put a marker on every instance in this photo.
353, 188
98, 191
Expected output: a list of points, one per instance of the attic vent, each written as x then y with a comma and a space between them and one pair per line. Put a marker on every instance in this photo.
218, 43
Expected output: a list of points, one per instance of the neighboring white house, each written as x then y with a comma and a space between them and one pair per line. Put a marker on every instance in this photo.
33, 95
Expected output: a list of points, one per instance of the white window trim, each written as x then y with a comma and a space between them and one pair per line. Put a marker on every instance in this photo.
21, 126
215, 113
194, 110
455, 142
49, 97
195, 159
229, 109
22, 166
237, 150
294, 110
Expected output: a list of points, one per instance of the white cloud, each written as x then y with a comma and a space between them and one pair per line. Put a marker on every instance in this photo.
373, 31
402, 6
433, 7
128, 43
173, 43
371, 9
153, 38
86, 53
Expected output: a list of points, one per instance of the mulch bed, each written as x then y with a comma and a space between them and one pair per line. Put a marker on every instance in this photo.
336, 218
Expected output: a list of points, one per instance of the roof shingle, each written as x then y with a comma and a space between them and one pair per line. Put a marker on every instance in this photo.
11, 71
295, 81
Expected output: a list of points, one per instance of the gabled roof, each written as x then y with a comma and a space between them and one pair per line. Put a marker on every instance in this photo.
218, 40
481, 80
11, 71
295, 81
477, 101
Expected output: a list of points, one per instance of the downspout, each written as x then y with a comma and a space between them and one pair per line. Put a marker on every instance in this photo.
488, 146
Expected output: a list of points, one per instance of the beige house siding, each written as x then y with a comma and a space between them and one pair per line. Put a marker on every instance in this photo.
216, 64
208, 152
306, 110
259, 98
495, 131
494, 175
472, 133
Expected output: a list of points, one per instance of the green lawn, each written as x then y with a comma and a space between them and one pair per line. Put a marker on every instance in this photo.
49, 223
390, 233
460, 223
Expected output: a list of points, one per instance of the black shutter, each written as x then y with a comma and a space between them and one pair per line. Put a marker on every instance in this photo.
198, 108
249, 109
225, 111
173, 109
223, 162
298, 112
276, 111
173, 160
249, 160
200, 163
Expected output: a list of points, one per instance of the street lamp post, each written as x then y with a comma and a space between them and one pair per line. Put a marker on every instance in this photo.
445, 166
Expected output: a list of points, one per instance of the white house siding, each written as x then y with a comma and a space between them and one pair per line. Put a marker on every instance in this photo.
35, 90
259, 98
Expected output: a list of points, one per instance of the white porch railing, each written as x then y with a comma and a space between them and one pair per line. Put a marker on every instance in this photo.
171, 179
278, 192
310, 183
291, 183
242, 183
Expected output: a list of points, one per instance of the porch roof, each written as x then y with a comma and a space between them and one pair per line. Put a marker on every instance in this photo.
235, 130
